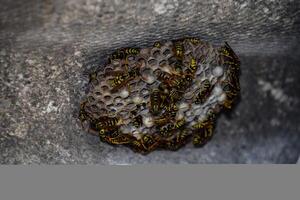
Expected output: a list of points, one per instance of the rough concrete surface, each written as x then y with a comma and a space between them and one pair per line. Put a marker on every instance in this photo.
47, 48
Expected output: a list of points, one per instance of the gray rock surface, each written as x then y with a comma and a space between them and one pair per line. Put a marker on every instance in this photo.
47, 48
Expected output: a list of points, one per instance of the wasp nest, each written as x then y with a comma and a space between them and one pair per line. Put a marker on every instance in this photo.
163, 96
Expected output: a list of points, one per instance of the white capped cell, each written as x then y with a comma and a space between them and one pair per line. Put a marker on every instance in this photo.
149, 79
222, 97
148, 121
217, 90
137, 100
136, 134
124, 93
218, 71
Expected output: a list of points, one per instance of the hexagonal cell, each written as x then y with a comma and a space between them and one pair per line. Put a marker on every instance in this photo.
166, 52
156, 53
108, 69
100, 103
104, 88
107, 98
152, 62
162, 63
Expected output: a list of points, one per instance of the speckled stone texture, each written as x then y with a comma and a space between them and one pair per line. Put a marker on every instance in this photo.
47, 49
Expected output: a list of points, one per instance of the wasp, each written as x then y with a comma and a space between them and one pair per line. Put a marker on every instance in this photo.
182, 83
121, 79
137, 146
105, 134
193, 65
179, 50
119, 54
179, 123
177, 142
123, 53
121, 139
193, 40
182, 136
163, 76
149, 142
231, 94
204, 91
203, 132
230, 57
211, 115
162, 120
137, 121
169, 129
155, 102
175, 95
132, 51
108, 123
171, 109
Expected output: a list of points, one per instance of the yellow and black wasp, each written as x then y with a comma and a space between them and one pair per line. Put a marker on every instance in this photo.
163, 76
169, 129
182, 83
231, 93
178, 141
122, 78
119, 81
193, 65
105, 134
108, 123
175, 95
171, 109
155, 102
230, 58
193, 40
204, 91
203, 132
166, 130
150, 142
178, 50
122, 138
161, 121
123, 53
137, 146
137, 121
179, 124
